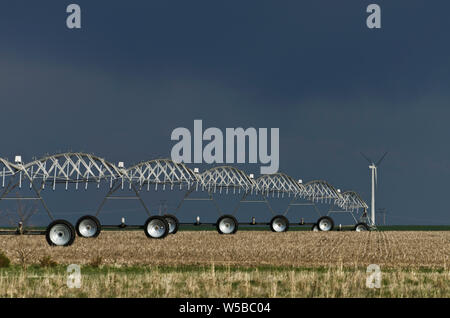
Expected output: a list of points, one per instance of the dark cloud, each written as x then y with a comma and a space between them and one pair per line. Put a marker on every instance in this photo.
136, 71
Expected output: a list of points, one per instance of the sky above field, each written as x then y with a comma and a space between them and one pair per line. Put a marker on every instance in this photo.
136, 70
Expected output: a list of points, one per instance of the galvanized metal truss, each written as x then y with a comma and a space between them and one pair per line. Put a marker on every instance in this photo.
161, 172
322, 191
74, 168
316, 191
14, 174
226, 177
218, 180
70, 168
279, 183
352, 201
7, 169
153, 173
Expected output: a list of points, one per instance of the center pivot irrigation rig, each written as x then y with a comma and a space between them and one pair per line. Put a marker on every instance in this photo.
81, 169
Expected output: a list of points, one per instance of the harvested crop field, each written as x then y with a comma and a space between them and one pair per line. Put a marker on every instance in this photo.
246, 248
219, 281
248, 264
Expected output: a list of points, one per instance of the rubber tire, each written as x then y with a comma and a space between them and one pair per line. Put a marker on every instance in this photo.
175, 220
224, 217
315, 226
157, 217
93, 218
279, 217
329, 219
363, 224
68, 224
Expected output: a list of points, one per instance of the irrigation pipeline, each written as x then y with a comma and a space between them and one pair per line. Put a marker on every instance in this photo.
76, 170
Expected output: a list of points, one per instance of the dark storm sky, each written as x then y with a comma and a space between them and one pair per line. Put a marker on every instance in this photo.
138, 69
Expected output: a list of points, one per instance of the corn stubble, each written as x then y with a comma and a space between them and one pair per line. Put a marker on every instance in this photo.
301, 264
333, 249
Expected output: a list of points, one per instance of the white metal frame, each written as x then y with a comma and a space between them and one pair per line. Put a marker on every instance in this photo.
82, 169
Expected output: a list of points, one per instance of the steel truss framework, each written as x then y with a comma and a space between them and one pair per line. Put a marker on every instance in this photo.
82, 169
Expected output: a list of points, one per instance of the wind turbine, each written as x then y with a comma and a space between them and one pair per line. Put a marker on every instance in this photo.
373, 168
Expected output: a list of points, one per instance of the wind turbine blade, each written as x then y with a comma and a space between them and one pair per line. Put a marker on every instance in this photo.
370, 161
376, 177
381, 159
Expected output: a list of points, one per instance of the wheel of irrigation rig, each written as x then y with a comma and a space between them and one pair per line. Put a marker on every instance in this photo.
88, 226
279, 223
325, 224
60, 233
173, 223
156, 227
227, 224
315, 228
362, 227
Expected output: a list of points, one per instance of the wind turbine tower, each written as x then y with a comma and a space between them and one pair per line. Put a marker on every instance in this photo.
373, 169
